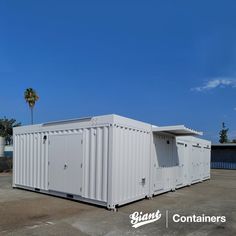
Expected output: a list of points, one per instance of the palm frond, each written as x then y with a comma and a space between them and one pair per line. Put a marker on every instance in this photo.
31, 97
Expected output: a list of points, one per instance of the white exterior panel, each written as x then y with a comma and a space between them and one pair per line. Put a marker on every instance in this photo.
107, 160
32, 161
95, 163
130, 164
198, 153
164, 163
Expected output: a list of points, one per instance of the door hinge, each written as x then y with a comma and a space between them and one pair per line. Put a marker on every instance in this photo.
49, 142
81, 165
81, 189
82, 141
49, 163
48, 183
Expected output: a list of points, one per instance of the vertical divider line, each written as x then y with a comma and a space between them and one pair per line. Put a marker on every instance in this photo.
167, 215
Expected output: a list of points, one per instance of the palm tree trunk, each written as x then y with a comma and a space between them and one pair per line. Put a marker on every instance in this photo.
32, 116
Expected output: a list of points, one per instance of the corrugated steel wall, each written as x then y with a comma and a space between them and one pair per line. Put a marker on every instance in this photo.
31, 160
223, 165
187, 163
223, 157
130, 163
96, 163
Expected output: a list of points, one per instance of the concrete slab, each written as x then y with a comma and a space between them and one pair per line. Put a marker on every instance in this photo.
28, 213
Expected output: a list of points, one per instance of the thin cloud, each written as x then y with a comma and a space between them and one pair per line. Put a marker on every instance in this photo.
216, 83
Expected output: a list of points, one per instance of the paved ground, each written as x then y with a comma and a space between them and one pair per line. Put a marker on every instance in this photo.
27, 213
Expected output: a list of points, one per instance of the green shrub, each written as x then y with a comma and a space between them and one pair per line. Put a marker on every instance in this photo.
5, 164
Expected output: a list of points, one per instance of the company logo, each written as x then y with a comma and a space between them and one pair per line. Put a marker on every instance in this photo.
138, 218
198, 219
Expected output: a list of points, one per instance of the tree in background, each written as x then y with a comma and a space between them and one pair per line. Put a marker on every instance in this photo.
31, 98
224, 134
6, 129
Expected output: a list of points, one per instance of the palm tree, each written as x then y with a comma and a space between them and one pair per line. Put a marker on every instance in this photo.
31, 98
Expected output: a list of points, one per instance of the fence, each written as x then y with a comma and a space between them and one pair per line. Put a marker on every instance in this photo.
223, 165
223, 156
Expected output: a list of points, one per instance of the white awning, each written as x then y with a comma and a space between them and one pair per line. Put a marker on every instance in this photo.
176, 130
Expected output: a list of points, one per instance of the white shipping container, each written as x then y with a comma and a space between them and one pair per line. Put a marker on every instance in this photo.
107, 160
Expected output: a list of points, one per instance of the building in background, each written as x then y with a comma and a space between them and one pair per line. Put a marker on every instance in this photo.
223, 156
8, 152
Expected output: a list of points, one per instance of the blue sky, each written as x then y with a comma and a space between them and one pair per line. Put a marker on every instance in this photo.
164, 62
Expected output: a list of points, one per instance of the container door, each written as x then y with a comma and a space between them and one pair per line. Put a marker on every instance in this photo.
206, 161
186, 163
57, 155
163, 163
74, 164
168, 176
65, 163
196, 155
180, 170
158, 180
